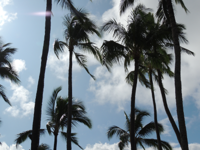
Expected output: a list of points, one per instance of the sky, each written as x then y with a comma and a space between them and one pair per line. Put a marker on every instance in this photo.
106, 98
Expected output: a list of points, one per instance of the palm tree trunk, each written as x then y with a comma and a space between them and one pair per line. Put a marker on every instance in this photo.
155, 111
40, 87
70, 97
176, 130
132, 129
55, 141
178, 86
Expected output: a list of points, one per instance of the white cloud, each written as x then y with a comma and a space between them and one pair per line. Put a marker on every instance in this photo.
4, 15
31, 81
106, 146
21, 101
165, 122
4, 146
111, 87
19, 65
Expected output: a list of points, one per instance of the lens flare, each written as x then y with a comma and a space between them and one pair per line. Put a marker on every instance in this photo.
42, 13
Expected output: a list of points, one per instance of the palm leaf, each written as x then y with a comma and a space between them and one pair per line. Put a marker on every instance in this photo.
73, 138
81, 59
3, 95
21, 137
59, 47
51, 104
115, 130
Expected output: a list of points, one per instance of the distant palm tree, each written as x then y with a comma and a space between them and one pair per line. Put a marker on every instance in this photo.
57, 119
57, 116
6, 69
77, 35
44, 147
141, 132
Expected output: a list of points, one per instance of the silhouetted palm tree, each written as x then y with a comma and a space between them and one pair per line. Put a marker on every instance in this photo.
6, 69
168, 12
40, 87
77, 35
141, 132
57, 116
57, 119
129, 45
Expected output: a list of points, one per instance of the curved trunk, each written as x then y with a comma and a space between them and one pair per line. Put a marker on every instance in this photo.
55, 141
40, 87
69, 116
155, 111
167, 109
178, 86
133, 94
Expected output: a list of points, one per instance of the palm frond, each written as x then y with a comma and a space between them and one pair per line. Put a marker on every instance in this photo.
21, 137
115, 130
59, 47
124, 4
149, 128
81, 59
112, 52
51, 104
73, 138
3, 95
82, 119
182, 5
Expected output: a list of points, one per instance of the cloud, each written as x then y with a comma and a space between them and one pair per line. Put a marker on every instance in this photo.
19, 65
21, 101
106, 146
4, 15
111, 87
4, 146
31, 81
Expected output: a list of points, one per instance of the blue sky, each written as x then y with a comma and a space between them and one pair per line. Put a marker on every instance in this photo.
108, 96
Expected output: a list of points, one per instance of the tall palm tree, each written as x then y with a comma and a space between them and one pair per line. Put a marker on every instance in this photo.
6, 69
129, 45
57, 119
76, 35
170, 18
40, 87
141, 132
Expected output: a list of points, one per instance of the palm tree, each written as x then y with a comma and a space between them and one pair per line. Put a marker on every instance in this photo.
170, 17
6, 69
57, 119
77, 35
141, 132
40, 87
129, 45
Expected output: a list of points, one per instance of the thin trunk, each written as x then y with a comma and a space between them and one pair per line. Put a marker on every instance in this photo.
132, 129
178, 87
70, 97
176, 130
40, 87
155, 111
55, 141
